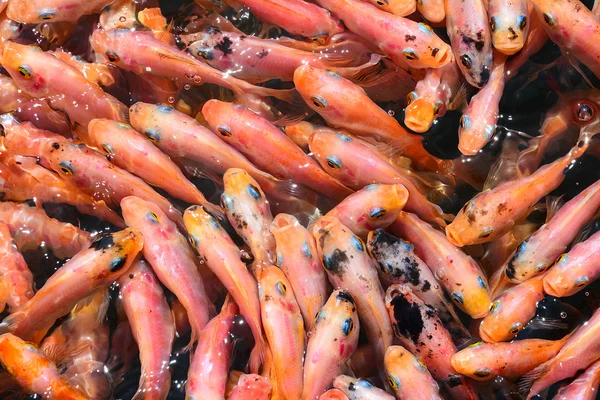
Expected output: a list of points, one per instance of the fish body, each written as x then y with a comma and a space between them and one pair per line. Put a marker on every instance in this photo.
408, 377
40, 11
432, 10
509, 24
360, 389
585, 387
331, 343
251, 386
14, 272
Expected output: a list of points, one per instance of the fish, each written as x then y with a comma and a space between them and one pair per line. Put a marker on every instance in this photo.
109, 256
536, 39
360, 389
15, 277
141, 53
407, 43
33, 371
333, 394
345, 105
419, 329
469, 31
152, 325
39, 11
344, 157
349, 266
400, 8
132, 151
9, 29
458, 273
284, 329
478, 123
248, 212
398, 264
373, 207
101, 74
11, 97
408, 377
298, 258
433, 95
31, 228
432, 10
222, 256
268, 147
574, 270
509, 25
331, 342
42, 75
119, 14
171, 259
209, 367
579, 352
585, 387
300, 133
486, 361
123, 350
251, 386
573, 27
81, 345
492, 213
253, 59
511, 311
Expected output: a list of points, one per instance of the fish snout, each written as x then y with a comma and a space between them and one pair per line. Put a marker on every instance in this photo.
419, 115
453, 236
484, 76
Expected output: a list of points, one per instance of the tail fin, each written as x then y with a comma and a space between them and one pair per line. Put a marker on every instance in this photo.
257, 356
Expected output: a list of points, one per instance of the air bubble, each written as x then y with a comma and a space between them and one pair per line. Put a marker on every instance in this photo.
563, 315
171, 99
186, 87
122, 18
391, 113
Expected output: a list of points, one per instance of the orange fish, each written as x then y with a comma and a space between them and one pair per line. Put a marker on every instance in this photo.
333, 394
509, 24
38, 11
408, 376
251, 386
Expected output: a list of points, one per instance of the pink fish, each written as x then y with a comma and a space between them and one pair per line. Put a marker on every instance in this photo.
397, 7
360, 389
14, 273
585, 387
152, 325
171, 258
509, 25
408, 376
38, 11
333, 394
432, 10
251, 387
536, 39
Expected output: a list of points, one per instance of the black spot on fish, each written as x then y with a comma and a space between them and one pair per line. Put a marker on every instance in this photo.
513, 34
239, 221
426, 286
55, 145
213, 30
30, 202
411, 268
130, 276
580, 144
225, 46
337, 262
454, 380
434, 51
263, 54
484, 76
409, 38
243, 37
351, 387
117, 264
409, 321
102, 242
343, 295
478, 44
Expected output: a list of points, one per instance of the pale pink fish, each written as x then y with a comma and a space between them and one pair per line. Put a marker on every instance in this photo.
268, 147
251, 386
360, 389
152, 325
81, 344
349, 266
132, 151
24, 179
222, 256
249, 213
143, 54
33, 371
171, 258
478, 122
298, 259
398, 264
581, 350
492, 213
433, 96
42, 75
406, 42
333, 394
345, 158
573, 27
432, 10
31, 228
331, 343
100, 74
509, 24
458, 273
575, 269
298, 17
486, 361
253, 59
123, 350
409, 377
109, 256
419, 329
14, 273
536, 39
511, 311
38, 11
585, 387
119, 14
209, 367
284, 329
469, 32
400, 8
536, 254
373, 207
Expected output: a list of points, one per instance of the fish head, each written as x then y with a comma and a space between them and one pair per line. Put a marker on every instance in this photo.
109, 43
509, 35
383, 203
144, 118
331, 149
317, 88
33, 11
473, 133
202, 224
477, 221
146, 216
274, 286
16, 352
420, 113
470, 361
27, 68
220, 115
340, 315
207, 44
238, 183
474, 295
360, 387
115, 252
565, 281
476, 65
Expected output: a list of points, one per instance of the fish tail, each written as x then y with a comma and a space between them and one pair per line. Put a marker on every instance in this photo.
257, 356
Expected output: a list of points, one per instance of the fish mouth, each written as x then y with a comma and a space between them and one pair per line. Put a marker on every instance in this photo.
444, 56
469, 148
399, 195
419, 116
485, 335
282, 223
552, 289
453, 236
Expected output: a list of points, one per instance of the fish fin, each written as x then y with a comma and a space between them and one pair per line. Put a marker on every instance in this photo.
290, 119
548, 323
499, 283
360, 76
553, 204
62, 355
459, 101
527, 380
120, 109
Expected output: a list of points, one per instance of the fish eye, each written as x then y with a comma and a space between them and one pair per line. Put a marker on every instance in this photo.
66, 168
280, 287
541, 268
122, 125
112, 57
193, 241
466, 61
494, 306
493, 24
206, 54
584, 113
345, 296
47, 15
467, 205
254, 192
562, 258
152, 136
380, 3
377, 213
357, 243
481, 282
424, 28
419, 364
107, 148
164, 108
482, 372
25, 71
318, 101
332, 73
365, 383
522, 21
317, 316
582, 281
475, 345
347, 326
516, 328
334, 162
152, 217
437, 107
117, 264
464, 122
410, 54
224, 131
306, 250
344, 138
394, 382
487, 232
549, 19
412, 96
457, 298
225, 202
